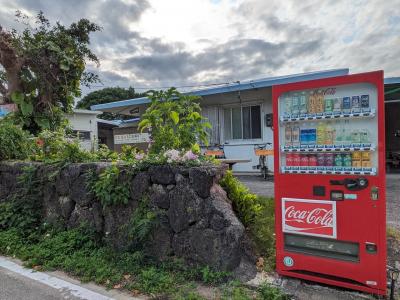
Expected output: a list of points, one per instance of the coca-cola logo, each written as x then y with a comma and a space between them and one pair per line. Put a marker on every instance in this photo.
317, 216
310, 217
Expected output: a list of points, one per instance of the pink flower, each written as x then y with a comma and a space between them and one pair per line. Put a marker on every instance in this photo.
172, 155
139, 156
189, 155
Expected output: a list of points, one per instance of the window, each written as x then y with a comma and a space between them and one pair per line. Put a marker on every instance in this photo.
242, 123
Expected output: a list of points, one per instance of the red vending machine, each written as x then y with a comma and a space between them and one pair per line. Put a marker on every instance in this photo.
330, 181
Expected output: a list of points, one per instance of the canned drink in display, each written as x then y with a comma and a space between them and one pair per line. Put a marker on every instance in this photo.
365, 103
289, 159
338, 160
329, 159
337, 105
356, 155
346, 104
312, 160
355, 104
321, 159
304, 160
346, 160
366, 159
296, 159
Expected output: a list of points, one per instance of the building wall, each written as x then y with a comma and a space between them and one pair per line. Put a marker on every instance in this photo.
239, 149
85, 123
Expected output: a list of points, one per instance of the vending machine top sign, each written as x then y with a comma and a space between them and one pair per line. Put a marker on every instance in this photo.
330, 181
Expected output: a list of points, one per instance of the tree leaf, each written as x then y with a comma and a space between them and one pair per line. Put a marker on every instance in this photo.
42, 122
174, 116
64, 66
17, 97
26, 108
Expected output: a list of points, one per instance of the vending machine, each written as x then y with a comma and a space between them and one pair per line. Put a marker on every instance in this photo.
330, 181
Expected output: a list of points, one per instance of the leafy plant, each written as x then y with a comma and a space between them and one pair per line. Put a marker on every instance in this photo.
108, 188
23, 210
268, 292
15, 143
55, 146
141, 223
257, 213
174, 121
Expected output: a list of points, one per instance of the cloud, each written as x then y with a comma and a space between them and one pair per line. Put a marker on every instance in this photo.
160, 43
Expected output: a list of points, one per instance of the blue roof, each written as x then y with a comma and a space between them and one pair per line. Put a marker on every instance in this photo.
237, 86
392, 80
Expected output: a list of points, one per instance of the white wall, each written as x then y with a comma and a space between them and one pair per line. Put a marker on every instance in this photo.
243, 149
85, 122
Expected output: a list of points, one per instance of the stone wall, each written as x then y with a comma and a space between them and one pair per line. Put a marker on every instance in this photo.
195, 218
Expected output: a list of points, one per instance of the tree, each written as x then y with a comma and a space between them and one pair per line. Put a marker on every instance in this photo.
174, 121
43, 69
107, 95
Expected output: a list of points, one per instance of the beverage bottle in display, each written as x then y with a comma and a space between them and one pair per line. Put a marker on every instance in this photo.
365, 103
365, 136
347, 160
355, 136
329, 105
347, 134
337, 105
346, 105
340, 133
320, 103
296, 135
321, 133
338, 160
288, 135
312, 134
295, 104
312, 160
303, 135
366, 159
311, 103
303, 103
355, 104
329, 134
288, 105
304, 160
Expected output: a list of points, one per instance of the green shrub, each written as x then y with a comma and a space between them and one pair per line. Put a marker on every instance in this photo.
174, 121
15, 143
268, 292
108, 188
22, 210
257, 214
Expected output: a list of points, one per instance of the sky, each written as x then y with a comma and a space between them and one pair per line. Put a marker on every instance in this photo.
160, 43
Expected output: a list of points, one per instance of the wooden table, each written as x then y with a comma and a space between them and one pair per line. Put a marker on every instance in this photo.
231, 161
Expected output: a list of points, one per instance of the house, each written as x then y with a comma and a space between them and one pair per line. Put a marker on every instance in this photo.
84, 126
239, 113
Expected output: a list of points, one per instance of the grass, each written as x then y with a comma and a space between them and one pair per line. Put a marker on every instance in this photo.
79, 253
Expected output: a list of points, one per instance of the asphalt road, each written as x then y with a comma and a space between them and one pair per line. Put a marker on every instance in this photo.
17, 287
19, 283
